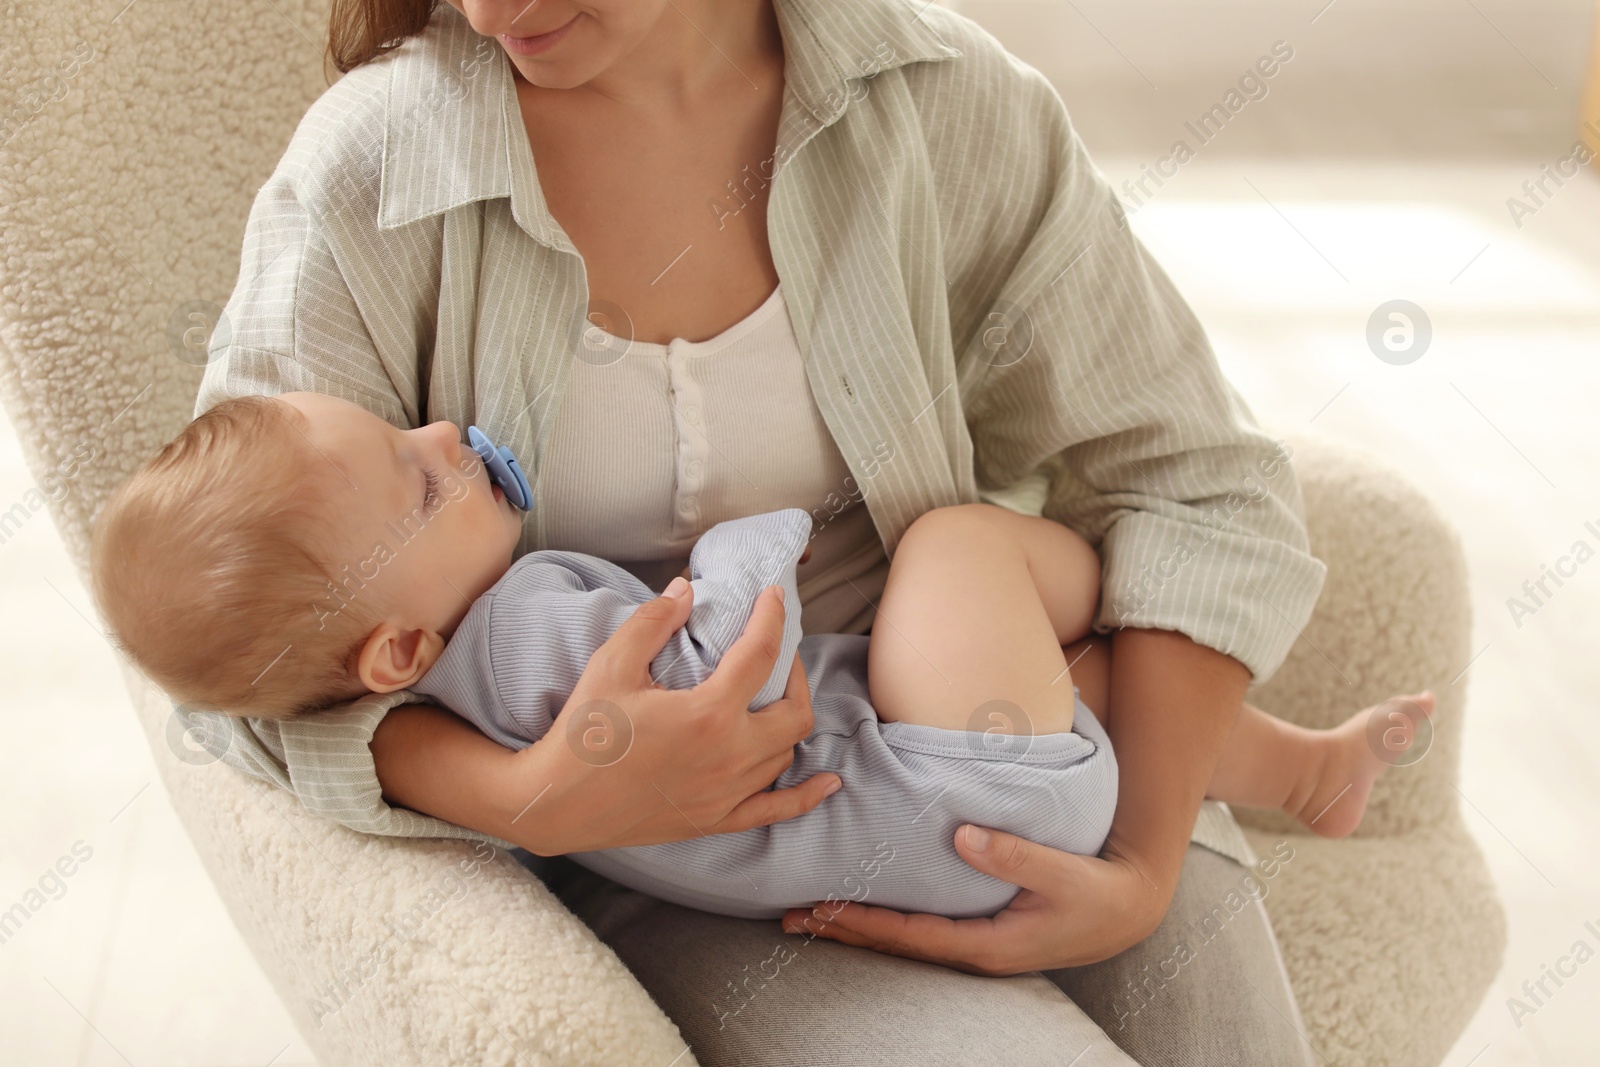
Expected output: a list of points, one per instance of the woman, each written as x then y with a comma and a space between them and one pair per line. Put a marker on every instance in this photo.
845, 255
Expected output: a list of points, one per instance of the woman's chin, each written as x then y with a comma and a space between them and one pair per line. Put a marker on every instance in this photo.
549, 75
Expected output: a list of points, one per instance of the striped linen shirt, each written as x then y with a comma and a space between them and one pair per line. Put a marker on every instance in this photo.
975, 316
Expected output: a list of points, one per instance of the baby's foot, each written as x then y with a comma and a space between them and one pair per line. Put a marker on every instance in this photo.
1337, 798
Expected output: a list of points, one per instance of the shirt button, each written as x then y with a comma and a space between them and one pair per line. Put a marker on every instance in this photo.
687, 505
694, 467
692, 412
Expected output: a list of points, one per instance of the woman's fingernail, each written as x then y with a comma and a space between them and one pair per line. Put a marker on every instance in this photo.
977, 838
829, 790
779, 588
675, 587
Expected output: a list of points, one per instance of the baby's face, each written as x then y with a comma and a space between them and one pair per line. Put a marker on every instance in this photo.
435, 544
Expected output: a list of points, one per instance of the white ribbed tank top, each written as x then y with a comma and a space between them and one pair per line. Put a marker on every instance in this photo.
654, 444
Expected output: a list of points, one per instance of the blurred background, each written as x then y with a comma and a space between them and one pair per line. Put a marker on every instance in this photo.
1424, 151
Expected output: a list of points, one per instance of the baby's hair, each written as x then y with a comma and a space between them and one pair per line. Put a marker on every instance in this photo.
208, 564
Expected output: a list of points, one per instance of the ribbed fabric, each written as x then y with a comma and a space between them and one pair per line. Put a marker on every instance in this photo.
971, 307
884, 836
657, 443
522, 646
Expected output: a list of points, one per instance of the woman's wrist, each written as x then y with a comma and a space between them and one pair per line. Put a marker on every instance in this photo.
527, 790
697, 761
1173, 702
432, 761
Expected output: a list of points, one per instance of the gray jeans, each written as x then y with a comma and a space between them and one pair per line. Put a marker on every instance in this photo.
1198, 992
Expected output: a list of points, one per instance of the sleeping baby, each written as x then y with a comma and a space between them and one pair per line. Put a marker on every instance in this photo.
288, 553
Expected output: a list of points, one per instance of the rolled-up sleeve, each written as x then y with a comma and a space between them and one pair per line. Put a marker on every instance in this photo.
291, 324
325, 761
1083, 362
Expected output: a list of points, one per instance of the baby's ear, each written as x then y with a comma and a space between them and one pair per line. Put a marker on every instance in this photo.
393, 658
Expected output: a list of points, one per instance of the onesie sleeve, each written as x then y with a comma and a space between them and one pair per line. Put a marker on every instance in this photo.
515, 660
729, 566
518, 655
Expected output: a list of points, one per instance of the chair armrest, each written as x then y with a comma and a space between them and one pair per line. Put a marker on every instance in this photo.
401, 950
1409, 898
1395, 615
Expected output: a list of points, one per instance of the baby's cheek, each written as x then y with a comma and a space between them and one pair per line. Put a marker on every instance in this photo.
456, 489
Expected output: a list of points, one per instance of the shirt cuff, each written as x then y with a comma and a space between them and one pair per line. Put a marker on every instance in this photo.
1216, 828
1245, 595
325, 759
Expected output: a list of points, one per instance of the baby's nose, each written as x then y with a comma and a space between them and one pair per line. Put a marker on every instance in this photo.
445, 428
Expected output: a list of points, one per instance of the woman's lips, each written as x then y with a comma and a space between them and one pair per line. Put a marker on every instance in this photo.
532, 46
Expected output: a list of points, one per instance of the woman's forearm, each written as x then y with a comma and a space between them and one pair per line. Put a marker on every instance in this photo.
690, 761
1173, 702
1171, 706
431, 761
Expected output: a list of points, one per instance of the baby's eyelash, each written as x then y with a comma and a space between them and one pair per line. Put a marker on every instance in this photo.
430, 498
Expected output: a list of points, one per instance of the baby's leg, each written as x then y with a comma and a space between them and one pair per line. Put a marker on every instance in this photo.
1321, 777
977, 605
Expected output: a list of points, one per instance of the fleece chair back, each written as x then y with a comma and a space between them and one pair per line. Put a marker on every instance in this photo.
133, 137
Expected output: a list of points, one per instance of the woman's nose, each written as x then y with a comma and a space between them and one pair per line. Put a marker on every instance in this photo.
489, 18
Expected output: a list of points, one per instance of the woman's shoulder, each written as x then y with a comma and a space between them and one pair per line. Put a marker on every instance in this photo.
984, 68
336, 153
940, 52
994, 127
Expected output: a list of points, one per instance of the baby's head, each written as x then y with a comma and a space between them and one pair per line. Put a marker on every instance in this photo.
287, 553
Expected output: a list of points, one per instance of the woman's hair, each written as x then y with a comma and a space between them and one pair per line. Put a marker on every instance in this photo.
361, 30
208, 565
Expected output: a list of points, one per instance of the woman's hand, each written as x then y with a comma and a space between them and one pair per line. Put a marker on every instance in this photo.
631, 763
1072, 910
628, 762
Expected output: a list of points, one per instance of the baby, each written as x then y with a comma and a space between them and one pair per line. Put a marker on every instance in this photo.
287, 553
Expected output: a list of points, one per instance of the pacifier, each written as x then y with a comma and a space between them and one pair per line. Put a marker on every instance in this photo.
502, 468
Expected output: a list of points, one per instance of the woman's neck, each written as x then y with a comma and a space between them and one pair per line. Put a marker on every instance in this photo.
697, 49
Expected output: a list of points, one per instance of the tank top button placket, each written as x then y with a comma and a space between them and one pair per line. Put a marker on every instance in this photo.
686, 403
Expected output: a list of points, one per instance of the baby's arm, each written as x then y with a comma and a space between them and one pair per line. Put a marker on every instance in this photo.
517, 656
729, 566
688, 571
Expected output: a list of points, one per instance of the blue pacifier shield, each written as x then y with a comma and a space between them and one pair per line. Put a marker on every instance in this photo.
502, 468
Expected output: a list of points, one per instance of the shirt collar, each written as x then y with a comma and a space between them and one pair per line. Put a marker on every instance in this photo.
453, 131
